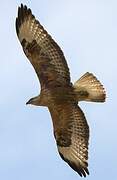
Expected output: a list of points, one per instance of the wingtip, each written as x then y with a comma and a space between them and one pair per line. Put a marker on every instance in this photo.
22, 6
16, 25
23, 12
82, 171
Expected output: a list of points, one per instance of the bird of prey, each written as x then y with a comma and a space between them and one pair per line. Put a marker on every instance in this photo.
58, 93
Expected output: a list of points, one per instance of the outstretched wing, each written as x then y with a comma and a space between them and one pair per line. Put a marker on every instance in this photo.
72, 134
44, 54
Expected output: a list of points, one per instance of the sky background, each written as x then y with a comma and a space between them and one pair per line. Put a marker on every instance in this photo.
86, 30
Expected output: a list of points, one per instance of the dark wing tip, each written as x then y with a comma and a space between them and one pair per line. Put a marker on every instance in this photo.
82, 171
23, 12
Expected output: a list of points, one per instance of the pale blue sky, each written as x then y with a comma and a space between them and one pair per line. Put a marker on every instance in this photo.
86, 30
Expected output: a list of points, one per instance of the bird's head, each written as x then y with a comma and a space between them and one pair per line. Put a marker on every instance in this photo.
34, 101
37, 101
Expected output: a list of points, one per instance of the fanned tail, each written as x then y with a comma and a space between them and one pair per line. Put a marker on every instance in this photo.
89, 88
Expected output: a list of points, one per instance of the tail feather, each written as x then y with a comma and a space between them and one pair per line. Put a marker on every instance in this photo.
89, 88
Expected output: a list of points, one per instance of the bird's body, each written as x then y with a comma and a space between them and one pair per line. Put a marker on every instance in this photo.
71, 130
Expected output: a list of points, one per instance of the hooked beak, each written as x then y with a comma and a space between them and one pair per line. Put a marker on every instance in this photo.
28, 102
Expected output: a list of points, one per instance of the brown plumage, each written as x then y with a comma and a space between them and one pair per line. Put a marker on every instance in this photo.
57, 92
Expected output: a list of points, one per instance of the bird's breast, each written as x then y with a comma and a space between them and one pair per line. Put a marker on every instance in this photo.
57, 95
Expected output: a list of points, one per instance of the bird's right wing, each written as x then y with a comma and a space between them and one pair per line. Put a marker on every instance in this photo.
43, 52
72, 134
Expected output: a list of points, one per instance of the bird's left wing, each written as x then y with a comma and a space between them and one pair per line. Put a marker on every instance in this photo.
43, 52
72, 134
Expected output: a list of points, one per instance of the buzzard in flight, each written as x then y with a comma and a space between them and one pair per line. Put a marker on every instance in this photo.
71, 130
